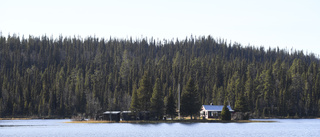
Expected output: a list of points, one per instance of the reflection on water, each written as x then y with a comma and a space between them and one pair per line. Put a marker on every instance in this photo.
284, 127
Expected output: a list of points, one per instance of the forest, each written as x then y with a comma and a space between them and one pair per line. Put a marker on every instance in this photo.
66, 76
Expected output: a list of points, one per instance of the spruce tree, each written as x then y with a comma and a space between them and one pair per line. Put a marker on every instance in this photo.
157, 104
225, 113
171, 107
144, 91
190, 102
241, 105
134, 106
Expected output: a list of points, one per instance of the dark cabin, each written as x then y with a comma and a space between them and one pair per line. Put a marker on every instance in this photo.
128, 115
111, 115
125, 115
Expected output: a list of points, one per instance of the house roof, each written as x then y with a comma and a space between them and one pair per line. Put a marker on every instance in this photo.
126, 112
111, 112
215, 107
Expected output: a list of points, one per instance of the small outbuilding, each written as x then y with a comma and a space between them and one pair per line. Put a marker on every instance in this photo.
111, 115
127, 115
212, 111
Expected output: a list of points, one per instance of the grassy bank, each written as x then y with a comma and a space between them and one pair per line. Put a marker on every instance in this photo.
15, 118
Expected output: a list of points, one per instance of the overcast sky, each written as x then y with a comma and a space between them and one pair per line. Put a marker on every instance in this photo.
270, 23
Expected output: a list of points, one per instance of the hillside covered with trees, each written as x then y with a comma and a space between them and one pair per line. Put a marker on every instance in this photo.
41, 76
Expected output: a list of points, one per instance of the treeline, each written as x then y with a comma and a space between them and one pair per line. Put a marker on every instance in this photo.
41, 76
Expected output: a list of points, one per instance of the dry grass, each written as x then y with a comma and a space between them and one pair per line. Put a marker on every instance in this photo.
213, 119
15, 118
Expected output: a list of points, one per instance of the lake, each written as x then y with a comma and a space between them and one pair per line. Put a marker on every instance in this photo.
43, 128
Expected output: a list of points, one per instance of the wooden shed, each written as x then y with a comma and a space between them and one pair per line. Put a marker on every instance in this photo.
111, 115
127, 115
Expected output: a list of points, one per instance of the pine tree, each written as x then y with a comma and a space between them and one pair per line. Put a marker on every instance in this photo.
225, 113
267, 88
190, 102
124, 68
249, 89
134, 106
157, 104
214, 95
233, 88
241, 105
171, 107
144, 91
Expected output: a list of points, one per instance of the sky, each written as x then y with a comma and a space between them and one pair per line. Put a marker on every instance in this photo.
287, 24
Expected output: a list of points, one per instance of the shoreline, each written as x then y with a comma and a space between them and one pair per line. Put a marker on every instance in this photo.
174, 121
254, 120
16, 118
31, 118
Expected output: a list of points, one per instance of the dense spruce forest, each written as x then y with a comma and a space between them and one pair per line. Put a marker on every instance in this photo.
66, 76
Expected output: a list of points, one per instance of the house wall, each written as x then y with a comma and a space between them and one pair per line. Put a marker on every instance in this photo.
209, 114
214, 114
111, 117
128, 116
203, 114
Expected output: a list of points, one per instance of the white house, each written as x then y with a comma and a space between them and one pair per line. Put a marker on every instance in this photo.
212, 111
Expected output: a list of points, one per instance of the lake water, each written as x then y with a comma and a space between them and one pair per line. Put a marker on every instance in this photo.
44, 128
